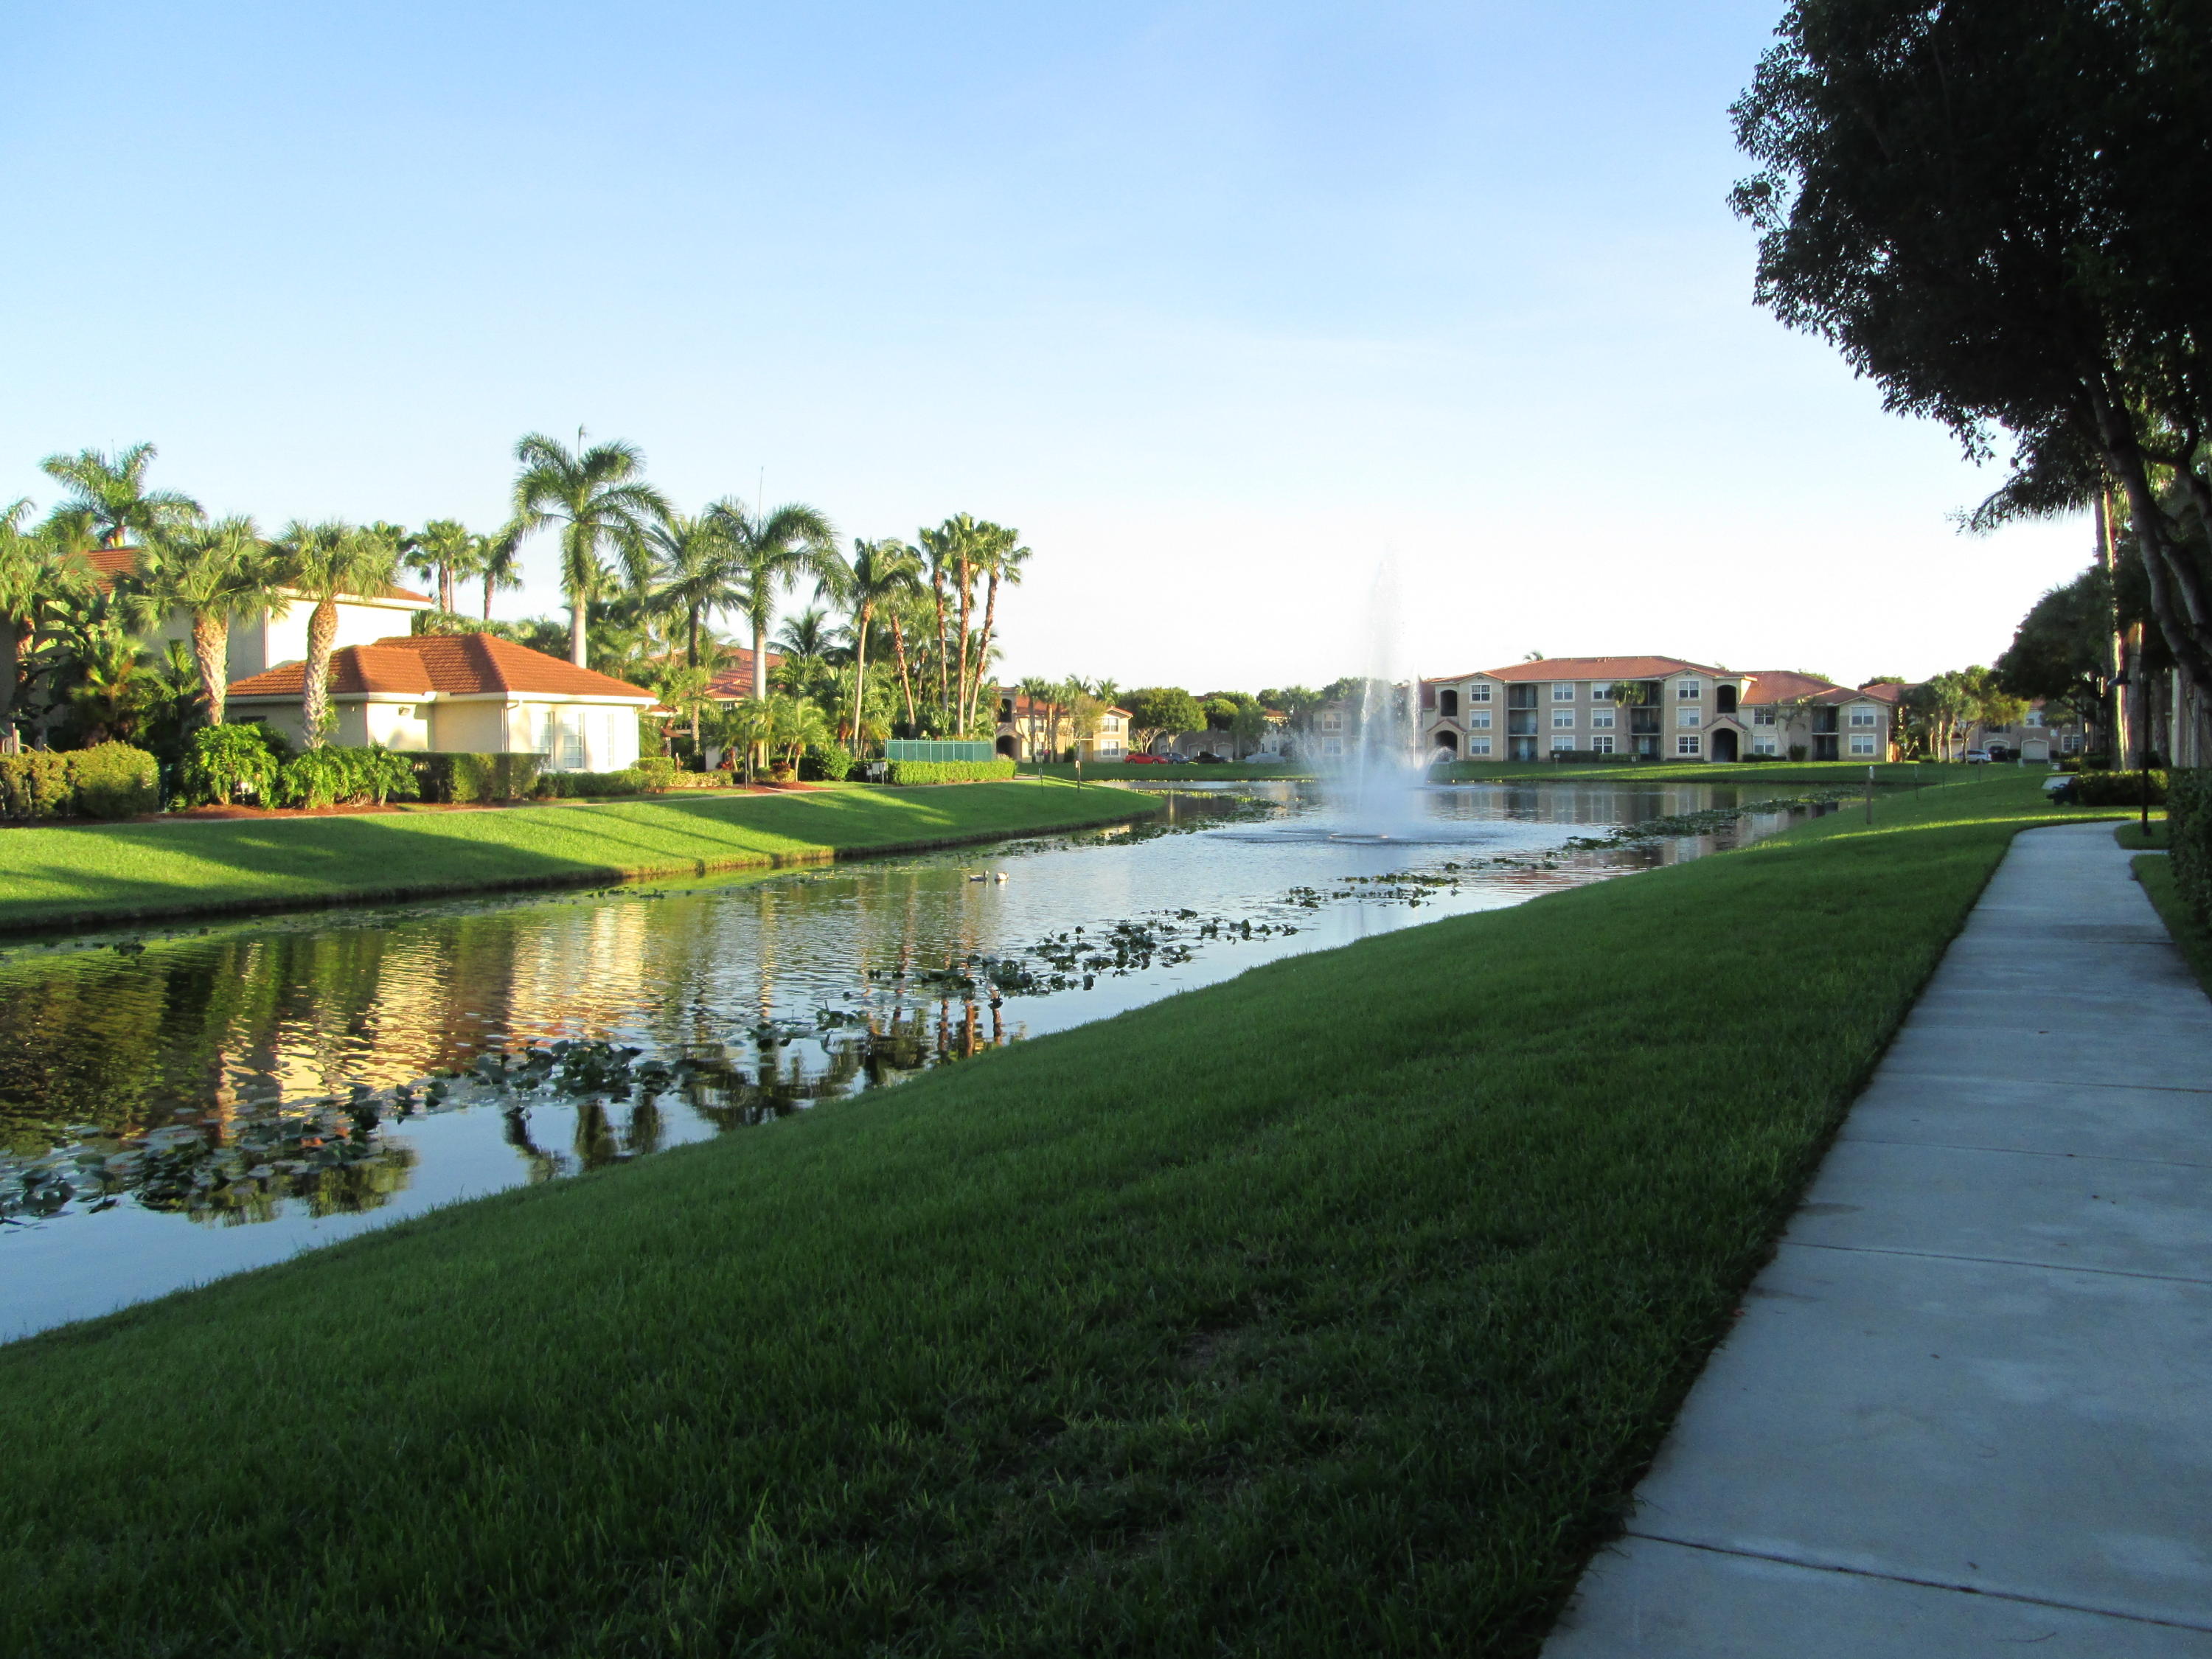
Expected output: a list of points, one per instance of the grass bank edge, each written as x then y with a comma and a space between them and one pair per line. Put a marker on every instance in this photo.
2154, 870
516, 850
1312, 1312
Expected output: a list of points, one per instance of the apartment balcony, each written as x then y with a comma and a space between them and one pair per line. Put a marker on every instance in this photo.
1521, 723
1643, 722
1522, 697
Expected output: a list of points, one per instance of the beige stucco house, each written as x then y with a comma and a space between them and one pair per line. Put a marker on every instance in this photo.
460, 692
1033, 729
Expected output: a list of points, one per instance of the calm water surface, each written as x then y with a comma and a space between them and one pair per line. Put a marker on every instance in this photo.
175, 1106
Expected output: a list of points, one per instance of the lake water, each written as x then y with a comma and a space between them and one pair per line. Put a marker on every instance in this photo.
178, 1105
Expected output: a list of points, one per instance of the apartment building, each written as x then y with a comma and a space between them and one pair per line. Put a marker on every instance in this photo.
1652, 709
1030, 728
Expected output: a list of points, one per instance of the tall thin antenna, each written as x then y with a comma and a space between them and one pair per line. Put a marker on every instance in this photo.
760, 495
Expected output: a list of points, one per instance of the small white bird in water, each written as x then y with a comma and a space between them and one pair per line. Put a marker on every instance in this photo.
1000, 877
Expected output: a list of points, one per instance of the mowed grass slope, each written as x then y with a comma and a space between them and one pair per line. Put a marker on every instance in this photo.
61, 877
1333, 1309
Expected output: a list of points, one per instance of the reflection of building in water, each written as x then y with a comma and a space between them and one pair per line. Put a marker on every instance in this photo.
585, 969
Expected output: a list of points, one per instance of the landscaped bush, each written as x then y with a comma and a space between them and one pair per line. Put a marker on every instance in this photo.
328, 776
659, 771
590, 786
947, 771
459, 776
825, 763
114, 781
2110, 788
2189, 833
34, 785
224, 763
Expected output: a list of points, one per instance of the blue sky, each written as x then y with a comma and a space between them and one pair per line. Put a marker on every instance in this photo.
1223, 306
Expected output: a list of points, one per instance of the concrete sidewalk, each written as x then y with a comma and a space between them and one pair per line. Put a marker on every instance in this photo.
1968, 1407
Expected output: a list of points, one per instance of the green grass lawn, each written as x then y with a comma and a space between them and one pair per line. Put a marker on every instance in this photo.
2156, 875
1333, 1309
65, 877
2130, 835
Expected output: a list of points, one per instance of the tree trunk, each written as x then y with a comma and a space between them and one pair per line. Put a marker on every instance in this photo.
906, 679
937, 587
759, 658
983, 646
576, 632
315, 700
445, 587
694, 622
210, 652
2114, 711
487, 596
963, 708
2176, 597
11, 676
860, 673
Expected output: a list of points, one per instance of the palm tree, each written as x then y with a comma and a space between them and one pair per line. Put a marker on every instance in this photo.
1000, 557
497, 559
109, 491
323, 563
207, 571
697, 573
441, 549
1038, 689
38, 568
884, 573
774, 549
806, 634
597, 499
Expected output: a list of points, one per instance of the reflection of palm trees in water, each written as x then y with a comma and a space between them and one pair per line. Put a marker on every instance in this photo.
596, 1143
542, 1164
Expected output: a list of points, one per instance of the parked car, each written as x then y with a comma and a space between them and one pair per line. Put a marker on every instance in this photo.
1146, 760
1977, 756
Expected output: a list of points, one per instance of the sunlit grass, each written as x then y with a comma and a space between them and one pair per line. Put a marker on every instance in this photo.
1333, 1309
51, 878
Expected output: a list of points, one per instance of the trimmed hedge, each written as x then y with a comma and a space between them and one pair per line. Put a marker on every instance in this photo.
457, 776
2189, 835
107, 780
2112, 788
591, 786
824, 763
909, 772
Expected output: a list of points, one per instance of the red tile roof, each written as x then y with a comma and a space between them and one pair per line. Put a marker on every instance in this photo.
1783, 685
453, 665
734, 680
1586, 668
109, 563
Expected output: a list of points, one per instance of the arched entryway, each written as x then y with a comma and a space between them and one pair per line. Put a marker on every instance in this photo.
1724, 745
1446, 740
1006, 746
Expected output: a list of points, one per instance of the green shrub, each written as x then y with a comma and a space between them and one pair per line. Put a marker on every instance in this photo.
2189, 835
910, 772
114, 781
825, 763
659, 771
2110, 788
459, 776
331, 775
590, 786
34, 785
222, 763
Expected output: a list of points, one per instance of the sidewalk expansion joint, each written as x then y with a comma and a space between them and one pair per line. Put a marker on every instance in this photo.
2031, 1151
1921, 1584
1996, 1262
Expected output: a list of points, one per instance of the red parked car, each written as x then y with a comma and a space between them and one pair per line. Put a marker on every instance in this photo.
1144, 760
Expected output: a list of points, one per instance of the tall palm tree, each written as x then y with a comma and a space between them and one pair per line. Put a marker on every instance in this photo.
496, 559
884, 573
1002, 557
774, 549
109, 491
441, 549
323, 563
38, 569
698, 572
806, 634
1039, 691
599, 501
207, 571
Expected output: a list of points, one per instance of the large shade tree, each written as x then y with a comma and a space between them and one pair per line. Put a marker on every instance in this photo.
1996, 213
774, 549
206, 573
108, 491
600, 505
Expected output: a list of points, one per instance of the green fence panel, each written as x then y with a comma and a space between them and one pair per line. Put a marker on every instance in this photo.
939, 749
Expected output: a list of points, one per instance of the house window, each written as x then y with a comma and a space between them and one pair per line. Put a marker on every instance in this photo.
1478, 745
1862, 743
1332, 723
1332, 746
1686, 717
544, 733
2035, 717
1762, 717
1564, 692
1601, 692
1479, 692
1686, 745
1558, 743
1689, 690
1602, 719
1762, 745
1866, 717
1600, 745
1480, 721
1563, 719
2073, 743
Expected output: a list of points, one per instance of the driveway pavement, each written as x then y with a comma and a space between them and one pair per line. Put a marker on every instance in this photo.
1968, 1407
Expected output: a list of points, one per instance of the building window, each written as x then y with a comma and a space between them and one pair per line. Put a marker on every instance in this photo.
2035, 717
1689, 690
1601, 692
2073, 741
1686, 717
1762, 717
1332, 723
1600, 745
1762, 745
1686, 745
1562, 692
1332, 746
1559, 743
1479, 692
1866, 717
1478, 745
1602, 719
544, 732
1448, 703
1862, 743
1480, 721
1563, 719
